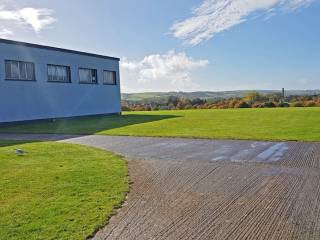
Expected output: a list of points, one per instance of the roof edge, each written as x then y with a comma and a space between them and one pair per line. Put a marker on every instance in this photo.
33, 45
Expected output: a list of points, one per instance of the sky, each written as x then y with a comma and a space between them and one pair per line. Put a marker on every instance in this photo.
182, 45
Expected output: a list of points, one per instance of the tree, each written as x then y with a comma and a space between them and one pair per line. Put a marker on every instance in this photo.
198, 101
273, 97
252, 97
173, 100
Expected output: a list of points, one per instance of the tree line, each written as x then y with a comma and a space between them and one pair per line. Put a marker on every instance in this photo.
250, 100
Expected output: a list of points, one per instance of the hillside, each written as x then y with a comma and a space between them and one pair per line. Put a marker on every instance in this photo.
162, 96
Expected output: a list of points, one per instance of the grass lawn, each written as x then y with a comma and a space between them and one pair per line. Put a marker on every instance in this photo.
57, 191
259, 124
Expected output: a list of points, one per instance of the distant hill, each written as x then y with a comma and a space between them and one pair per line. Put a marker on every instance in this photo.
163, 96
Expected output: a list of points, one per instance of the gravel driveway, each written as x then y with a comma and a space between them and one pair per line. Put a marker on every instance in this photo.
206, 189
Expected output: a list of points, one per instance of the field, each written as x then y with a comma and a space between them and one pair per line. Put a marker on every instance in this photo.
57, 191
302, 124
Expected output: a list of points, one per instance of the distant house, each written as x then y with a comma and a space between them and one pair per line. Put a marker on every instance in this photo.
41, 82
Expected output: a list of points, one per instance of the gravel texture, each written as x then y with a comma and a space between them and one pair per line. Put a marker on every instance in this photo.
205, 189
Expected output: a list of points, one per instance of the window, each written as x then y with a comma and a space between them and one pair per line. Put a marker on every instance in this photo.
57, 73
88, 75
18, 70
109, 77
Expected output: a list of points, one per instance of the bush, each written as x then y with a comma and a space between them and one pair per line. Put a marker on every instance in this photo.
310, 104
125, 108
269, 105
297, 104
188, 106
233, 103
257, 105
284, 104
242, 105
139, 108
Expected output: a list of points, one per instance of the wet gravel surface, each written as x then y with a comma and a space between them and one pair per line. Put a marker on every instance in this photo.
207, 189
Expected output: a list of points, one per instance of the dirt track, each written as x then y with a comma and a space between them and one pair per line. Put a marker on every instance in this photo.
204, 189
216, 189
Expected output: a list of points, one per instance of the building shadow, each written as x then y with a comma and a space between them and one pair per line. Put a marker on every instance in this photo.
8, 143
80, 125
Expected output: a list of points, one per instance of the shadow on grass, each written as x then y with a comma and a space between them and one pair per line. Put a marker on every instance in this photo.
83, 125
8, 143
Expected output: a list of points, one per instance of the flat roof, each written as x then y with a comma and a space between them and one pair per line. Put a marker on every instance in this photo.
25, 44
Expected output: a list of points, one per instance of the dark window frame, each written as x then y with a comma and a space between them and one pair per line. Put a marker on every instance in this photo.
59, 65
91, 69
115, 77
20, 79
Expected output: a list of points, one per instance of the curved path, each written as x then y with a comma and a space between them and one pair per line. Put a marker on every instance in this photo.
207, 189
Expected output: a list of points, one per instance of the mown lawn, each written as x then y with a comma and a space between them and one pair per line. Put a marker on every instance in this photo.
259, 124
57, 191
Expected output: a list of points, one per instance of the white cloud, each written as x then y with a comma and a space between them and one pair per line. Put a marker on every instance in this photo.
215, 16
294, 4
171, 70
4, 33
36, 18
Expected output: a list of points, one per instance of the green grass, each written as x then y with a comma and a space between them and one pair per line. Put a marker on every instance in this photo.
57, 191
259, 124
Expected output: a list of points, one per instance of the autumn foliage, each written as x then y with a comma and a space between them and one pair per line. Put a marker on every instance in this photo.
250, 100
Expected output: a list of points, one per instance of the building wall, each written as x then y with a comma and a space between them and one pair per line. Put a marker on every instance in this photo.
40, 99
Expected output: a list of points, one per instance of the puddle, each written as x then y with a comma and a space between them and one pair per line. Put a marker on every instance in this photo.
241, 156
220, 158
223, 149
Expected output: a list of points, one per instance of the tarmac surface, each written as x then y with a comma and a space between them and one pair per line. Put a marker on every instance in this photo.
213, 189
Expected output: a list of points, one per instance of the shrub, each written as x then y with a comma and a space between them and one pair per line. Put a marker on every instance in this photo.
188, 106
257, 105
297, 104
269, 105
310, 104
139, 108
284, 104
242, 104
125, 108
164, 108
233, 103
222, 106
171, 107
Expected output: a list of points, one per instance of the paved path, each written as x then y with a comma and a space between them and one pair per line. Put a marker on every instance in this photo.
206, 189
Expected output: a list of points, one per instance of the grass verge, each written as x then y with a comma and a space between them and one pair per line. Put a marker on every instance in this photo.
57, 190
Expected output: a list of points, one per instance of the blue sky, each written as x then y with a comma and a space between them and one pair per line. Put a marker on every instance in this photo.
182, 45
